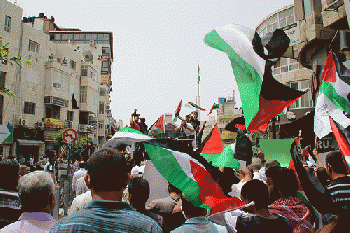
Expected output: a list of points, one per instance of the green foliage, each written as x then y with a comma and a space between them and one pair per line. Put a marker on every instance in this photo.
4, 59
77, 148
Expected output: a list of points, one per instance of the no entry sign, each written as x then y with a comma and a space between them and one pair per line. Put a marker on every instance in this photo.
69, 136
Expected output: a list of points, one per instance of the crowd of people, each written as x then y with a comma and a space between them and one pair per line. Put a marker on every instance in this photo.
111, 195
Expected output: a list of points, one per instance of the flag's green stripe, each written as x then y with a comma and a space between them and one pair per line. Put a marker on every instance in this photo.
328, 90
167, 165
248, 79
130, 130
210, 157
226, 159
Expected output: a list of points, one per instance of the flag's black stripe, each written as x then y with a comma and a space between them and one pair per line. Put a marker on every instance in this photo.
343, 72
201, 146
344, 132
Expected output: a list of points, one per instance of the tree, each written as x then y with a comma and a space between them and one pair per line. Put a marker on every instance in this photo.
4, 60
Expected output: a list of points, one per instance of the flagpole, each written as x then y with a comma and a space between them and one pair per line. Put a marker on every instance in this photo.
198, 98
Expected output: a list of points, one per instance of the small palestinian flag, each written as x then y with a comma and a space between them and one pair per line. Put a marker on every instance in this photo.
212, 147
196, 106
158, 126
177, 112
215, 106
262, 96
334, 96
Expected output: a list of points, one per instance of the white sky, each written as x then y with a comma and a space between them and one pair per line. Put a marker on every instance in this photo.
158, 45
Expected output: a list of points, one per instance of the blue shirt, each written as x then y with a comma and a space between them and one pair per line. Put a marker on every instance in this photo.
107, 216
199, 224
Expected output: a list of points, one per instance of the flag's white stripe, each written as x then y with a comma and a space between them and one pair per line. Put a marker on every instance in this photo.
325, 108
240, 39
233, 147
184, 160
343, 89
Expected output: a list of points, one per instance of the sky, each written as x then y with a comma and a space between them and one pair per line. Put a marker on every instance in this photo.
158, 45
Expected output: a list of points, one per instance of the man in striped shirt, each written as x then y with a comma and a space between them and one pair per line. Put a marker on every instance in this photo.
107, 176
340, 186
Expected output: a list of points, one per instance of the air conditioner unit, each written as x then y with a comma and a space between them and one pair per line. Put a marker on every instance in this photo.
82, 128
39, 124
22, 122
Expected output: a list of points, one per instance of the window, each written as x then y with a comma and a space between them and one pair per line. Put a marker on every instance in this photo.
83, 94
73, 64
29, 108
105, 67
67, 36
305, 101
56, 85
57, 37
105, 50
79, 36
102, 107
100, 124
102, 92
70, 115
91, 37
84, 70
33, 46
7, 26
103, 37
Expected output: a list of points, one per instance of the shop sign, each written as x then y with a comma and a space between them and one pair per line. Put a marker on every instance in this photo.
104, 80
6, 134
103, 57
228, 135
51, 123
326, 144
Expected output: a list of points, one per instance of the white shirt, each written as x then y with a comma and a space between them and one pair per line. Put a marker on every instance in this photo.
81, 186
237, 192
78, 174
187, 131
262, 174
80, 202
137, 171
36, 222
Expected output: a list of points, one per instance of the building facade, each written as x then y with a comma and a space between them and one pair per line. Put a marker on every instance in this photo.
67, 84
288, 70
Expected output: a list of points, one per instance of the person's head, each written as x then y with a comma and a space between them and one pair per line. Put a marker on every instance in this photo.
82, 164
335, 164
261, 155
281, 182
195, 115
138, 189
138, 158
257, 191
173, 189
51, 155
272, 163
107, 165
23, 170
36, 192
256, 164
187, 117
136, 116
9, 173
190, 210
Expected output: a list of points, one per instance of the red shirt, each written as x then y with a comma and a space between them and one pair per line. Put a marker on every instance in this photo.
135, 125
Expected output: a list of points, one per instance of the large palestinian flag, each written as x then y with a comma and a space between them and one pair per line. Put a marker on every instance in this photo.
188, 175
334, 96
261, 100
342, 136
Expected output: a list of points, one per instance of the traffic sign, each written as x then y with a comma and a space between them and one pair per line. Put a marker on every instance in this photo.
69, 136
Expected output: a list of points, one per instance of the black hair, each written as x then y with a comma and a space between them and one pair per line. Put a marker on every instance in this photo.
9, 172
323, 176
138, 158
284, 180
173, 189
257, 191
138, 188
272, 163
50, 153
107, 170
336, 160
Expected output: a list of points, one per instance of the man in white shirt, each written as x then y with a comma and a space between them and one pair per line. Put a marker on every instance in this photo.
80, 202
36, 192
78, 174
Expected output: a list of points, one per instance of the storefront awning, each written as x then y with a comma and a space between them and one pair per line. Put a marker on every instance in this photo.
24, 142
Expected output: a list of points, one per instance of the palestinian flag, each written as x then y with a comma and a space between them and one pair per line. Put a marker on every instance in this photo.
196, 106
342, 136
239, 123
262, 96
158, 126
177, 112
334, 96
215, 106
211, 147
227, 159
188, 175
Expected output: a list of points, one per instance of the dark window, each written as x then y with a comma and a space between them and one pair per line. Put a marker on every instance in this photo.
33, 46
73, 64
7, 26
70, 115
105, 67
53, 111
29, 108
105, 50
83, 118
102, 108
102, 92
2, 85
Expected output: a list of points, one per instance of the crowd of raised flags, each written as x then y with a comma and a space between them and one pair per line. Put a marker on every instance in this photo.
286, 187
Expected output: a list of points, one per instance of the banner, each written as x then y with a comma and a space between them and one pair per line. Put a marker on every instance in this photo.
6, 134
277, 149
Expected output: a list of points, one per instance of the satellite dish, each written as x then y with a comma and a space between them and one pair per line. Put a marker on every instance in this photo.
88, 56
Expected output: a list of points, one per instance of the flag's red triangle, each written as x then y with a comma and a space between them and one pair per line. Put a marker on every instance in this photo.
330, 71
213, 145
160, 123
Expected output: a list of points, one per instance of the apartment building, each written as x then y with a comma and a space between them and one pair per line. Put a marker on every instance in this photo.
96, 51
67, 85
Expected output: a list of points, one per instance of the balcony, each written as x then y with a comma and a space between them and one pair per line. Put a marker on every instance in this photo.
334, 14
